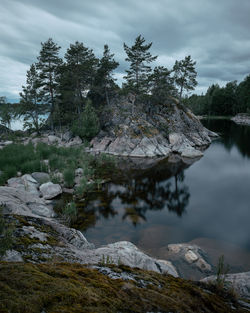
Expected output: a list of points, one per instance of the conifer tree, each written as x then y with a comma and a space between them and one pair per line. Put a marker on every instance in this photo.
81, 63
162, 84
48, 65
139, 57
185, 75
5, 112
32, 105
104, 81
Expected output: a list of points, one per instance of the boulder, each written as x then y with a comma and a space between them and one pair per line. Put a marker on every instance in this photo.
76, 141
25, 183
41, 177
50, 190
67, 136
53, 139
79, 171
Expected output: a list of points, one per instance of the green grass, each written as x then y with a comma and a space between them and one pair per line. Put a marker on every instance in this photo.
27, 159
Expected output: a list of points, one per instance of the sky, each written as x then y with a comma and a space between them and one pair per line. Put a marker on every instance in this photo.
216, 33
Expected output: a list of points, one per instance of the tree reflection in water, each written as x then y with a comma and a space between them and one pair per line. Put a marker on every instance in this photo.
136, 192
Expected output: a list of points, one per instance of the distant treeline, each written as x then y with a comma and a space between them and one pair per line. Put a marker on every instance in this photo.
229, 100
73, 90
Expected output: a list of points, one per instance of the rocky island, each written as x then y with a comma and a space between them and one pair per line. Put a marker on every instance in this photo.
242, 119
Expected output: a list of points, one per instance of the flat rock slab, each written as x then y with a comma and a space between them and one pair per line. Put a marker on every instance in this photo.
17, 201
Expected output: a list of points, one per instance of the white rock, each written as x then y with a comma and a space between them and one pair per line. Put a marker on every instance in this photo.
79, 171
12, 256
191, 257
128, 254
191, 153
53, 139
50, 190
25, 183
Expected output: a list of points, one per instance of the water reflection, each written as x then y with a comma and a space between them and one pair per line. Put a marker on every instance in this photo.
211, 197
231, 135
134, 194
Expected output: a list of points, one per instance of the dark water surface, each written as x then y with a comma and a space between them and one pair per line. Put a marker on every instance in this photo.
207, 203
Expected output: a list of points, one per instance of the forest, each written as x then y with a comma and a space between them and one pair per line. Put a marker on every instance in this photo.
229, 100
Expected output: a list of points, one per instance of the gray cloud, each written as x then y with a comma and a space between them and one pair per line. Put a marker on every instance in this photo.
215, 33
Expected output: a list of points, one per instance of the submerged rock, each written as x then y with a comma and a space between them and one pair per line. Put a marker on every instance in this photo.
189, 260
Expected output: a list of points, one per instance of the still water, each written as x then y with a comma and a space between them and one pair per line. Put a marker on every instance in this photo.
207, 203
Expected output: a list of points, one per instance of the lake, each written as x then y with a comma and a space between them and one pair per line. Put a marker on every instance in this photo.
207, 203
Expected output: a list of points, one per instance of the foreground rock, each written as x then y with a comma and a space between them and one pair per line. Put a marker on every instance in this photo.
242, 119
137, 130
41, 240
239, 281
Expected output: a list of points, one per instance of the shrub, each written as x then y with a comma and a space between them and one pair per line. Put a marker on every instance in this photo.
30, 166
221, 272
84, 187
87, 125
69, 176
10, 170
70, 211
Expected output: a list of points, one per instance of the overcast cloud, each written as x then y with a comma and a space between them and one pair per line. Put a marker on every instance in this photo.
216, 33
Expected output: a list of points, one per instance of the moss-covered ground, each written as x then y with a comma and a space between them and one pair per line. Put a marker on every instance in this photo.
51, 288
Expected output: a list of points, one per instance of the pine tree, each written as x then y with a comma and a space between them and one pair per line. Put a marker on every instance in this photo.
104, 81
139, 57
162, 84
81, 63
185, 75
66, 95
32, 105
5, 112
48, 65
